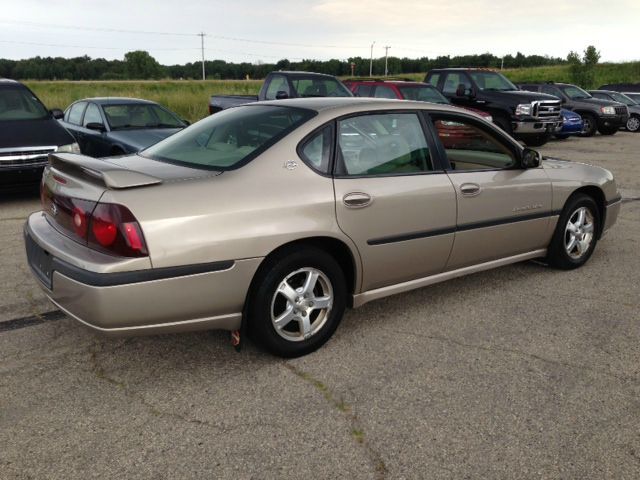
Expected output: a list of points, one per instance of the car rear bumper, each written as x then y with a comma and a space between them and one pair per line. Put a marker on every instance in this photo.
139, 302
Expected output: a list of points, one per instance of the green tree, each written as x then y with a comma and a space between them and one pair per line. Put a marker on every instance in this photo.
140, 65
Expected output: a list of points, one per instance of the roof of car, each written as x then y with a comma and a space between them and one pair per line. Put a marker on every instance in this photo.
320, 104
391, 81
303, 74
603, 91
116, 100
8, 80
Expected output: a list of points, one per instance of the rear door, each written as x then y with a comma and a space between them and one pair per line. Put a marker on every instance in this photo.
503, 209
392, 199
73, 121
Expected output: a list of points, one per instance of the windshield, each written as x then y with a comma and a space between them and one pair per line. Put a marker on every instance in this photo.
422, 93
622, 98
319, 87
229, 138
575, 93
140, 115
634, 96
492, 81
20, 104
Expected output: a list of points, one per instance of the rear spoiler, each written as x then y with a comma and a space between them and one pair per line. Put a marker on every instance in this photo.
102, 171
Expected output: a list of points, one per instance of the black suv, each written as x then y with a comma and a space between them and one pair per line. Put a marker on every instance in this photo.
28, 133
530, 117
602, 115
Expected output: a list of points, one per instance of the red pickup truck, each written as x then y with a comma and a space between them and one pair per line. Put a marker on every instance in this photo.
403, 90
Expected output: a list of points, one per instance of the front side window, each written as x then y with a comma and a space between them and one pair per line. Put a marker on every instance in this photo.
469, 147
319, 87
452, 82
575, 93
229, 138
277, 84
363, 90
20, 104
382, 144
384, 92
492, 81
551, 91
92, 115
75, 113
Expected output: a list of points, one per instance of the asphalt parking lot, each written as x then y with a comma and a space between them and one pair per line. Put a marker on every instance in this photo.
519, 372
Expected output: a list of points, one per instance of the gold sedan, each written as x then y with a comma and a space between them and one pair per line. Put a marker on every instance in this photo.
271, 218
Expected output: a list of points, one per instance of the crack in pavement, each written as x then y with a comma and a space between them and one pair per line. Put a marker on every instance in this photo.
495, 349
98, 370
356, 429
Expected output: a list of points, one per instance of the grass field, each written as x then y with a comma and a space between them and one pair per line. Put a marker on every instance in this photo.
190, 98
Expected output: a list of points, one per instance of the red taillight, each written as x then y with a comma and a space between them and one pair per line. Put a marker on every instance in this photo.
115, 230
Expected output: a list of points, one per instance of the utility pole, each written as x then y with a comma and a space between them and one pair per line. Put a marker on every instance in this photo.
371, 60
502, 64
201, 35
386, 57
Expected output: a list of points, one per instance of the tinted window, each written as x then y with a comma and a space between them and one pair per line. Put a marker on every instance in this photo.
382, 144
384, 92
434, 79
319, 87
453, 80
75, 113
277, 84
92, 115
575, 93
492, 81
551, 91
317, 150
470, 147
20, 104
229, 138
363, 90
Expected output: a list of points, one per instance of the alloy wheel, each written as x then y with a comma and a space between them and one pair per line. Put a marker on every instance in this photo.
633, 124
578, 233
301, 304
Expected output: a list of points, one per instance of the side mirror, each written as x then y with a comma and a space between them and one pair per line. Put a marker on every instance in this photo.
98, 127
186, 122
530, 158
281, 95
56, 113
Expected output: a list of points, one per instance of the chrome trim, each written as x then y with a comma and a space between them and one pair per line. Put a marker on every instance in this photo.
365, 297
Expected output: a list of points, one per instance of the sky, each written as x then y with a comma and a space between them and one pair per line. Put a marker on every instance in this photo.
269, 30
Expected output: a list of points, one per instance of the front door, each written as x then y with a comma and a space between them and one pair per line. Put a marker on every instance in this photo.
503, 209
392, 200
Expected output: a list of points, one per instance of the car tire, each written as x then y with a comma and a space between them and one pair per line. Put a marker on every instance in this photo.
608, 130
590, 125
287, 315
633, 124
576, 233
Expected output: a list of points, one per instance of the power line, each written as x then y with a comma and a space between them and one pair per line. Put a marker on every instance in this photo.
15, 42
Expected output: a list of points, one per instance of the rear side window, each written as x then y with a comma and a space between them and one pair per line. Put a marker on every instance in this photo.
434, 79
74, 115
382, 144
452, 82
316, 151
230, 138
363, 90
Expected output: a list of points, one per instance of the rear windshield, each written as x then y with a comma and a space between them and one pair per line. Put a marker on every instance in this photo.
230, 138
140, 115
18, 103
422, 93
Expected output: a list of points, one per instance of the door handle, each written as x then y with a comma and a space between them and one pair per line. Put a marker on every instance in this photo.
356, 200
470, 189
